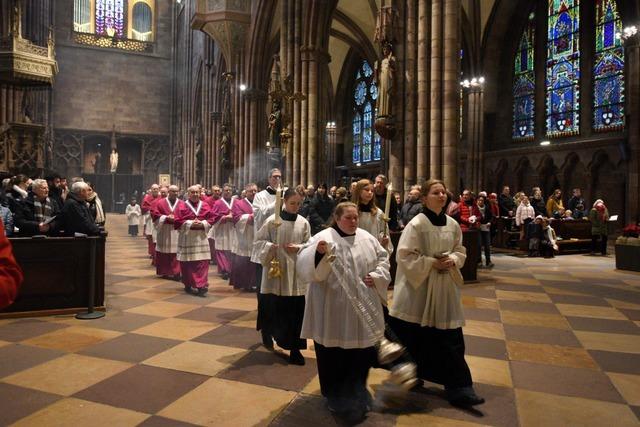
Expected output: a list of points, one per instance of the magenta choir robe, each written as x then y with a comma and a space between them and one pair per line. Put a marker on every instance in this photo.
146, 207
223, 233
167, 237
243, 271
193, 245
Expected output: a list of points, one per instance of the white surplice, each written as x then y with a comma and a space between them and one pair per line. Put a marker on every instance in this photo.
264, 203
167, 236
376, 226
422, 294
297, 232
329, 316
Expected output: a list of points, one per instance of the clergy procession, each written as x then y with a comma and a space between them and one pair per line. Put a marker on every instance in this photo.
329, 284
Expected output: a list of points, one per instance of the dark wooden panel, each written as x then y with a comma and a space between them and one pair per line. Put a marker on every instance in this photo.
57, 273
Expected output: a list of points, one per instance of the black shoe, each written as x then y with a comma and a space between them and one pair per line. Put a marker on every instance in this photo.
267, 340
225, 276
490, 264
187, 289
463, 397
296, 358
202, 292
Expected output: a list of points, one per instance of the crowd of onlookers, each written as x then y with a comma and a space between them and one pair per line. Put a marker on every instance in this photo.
50, 207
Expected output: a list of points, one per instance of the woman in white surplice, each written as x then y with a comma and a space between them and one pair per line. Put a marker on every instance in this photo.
283, 296
343, 343
426, 312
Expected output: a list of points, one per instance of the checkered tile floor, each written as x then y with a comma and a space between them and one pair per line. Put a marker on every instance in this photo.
549, 342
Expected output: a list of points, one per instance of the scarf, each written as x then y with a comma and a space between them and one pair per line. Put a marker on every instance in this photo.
100, 219
601, 209
41, 212
20, 191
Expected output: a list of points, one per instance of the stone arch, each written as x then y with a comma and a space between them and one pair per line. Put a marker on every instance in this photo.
526, 176
574, 174
607, 183
548, 175
502, 175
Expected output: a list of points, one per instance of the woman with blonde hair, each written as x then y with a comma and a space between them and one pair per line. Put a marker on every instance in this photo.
371, 217
426, 312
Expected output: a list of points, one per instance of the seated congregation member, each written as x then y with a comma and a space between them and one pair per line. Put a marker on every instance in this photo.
37, 213
18, 191
485, 218
193, 220
599, 216
370, 217
95, 207
344, 346
426, 313
537, 202
10, 272
223, 231
579, 212
163, 213
320, 210
555, 209
243, 271
76, 217
283, 295
412, 207
133, 214
575, 200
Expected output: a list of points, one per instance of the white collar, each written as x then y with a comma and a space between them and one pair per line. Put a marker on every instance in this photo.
174, 205
195, 211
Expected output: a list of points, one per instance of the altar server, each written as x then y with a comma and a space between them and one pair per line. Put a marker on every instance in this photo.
277, 244
223, 230
243, 271
371, 217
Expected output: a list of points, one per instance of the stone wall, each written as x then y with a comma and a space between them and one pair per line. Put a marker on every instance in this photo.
98, 88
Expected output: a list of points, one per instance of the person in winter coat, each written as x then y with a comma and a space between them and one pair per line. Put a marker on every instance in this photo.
320, 210
599, 216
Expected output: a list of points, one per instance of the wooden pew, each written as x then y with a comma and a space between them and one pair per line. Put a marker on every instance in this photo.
56, 275
575, 235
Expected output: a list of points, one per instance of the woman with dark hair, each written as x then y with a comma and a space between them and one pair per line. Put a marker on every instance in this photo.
95, 207
277, 244
371, 217
320, 210
18, 191
426, 313
344, 345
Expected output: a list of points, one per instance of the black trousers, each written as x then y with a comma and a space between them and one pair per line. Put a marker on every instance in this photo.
282, 318
133, 230
484, 240
343, 374
599, 243
439, 353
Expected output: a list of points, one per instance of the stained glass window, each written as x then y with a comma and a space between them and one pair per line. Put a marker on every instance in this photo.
563, 68
110, 16
524, 84
367, 145
608, 69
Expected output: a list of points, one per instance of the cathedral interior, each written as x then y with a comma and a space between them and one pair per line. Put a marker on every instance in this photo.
478, 93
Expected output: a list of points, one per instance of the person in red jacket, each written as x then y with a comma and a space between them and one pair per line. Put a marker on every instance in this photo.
10, 272
469, 212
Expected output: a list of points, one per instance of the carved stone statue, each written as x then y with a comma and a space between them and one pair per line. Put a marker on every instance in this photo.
275, 124
177, 162
225, 148
385, 80
113, 160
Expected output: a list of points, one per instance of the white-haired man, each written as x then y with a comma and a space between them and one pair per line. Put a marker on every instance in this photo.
163, 214
37, 213
75, 213
193, 220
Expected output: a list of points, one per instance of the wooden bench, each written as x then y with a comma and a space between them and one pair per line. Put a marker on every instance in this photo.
574, 236
57, 276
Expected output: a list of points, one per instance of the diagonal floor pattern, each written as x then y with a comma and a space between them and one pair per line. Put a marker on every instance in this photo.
549, 342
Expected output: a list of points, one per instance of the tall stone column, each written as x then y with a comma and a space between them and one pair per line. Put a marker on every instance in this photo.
423, 68
395, 147
435, 140
633, 126
316, 60
450, 92
301, 158
410, 88
474, 100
